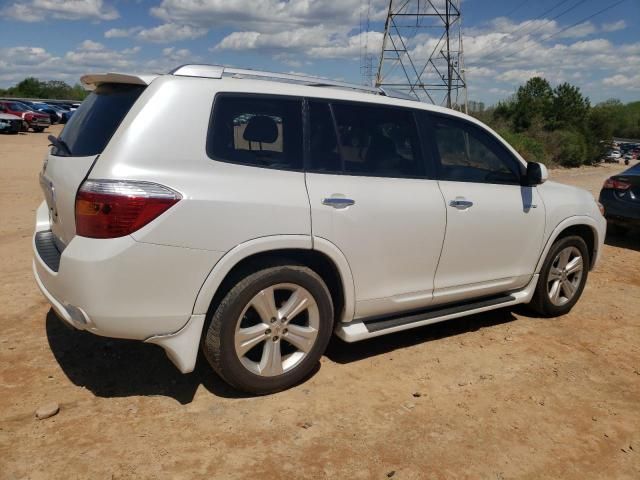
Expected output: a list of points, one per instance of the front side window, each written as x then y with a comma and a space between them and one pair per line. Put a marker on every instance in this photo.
256, 130
377, 141
469, 154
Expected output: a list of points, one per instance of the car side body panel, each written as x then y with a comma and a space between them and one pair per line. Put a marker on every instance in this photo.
157, 284
569, 206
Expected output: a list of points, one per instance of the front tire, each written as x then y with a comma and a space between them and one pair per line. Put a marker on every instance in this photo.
270, 330
562, 277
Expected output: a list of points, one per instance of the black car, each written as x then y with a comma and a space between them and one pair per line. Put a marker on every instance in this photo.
620, 196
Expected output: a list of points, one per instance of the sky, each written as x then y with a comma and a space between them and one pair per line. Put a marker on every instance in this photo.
505, 42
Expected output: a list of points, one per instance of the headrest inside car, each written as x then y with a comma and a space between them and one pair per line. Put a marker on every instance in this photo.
261, 129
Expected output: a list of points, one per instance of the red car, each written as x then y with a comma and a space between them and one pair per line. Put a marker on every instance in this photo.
34, 120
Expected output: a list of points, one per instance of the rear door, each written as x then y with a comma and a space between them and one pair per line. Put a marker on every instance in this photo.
495, 226
84, 137
371, 197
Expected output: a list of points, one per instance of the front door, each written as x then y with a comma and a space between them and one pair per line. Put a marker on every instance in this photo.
495, 226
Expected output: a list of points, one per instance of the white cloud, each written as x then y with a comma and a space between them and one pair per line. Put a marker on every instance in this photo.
25, 56
614, 26
477, 72
177, 54
289, 59
266, 15
121, 32
519, 76
294, 39
315, 42
349, 48
38, 10
170, 32
90, 45
581, 30
89, 56
630, 82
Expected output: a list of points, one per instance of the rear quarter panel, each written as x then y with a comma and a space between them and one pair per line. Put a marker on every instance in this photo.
163, 140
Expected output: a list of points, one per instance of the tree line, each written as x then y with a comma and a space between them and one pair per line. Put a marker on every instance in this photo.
556, 126
53, 89
559, 126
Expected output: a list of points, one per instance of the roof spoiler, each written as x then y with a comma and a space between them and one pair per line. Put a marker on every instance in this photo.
92, 80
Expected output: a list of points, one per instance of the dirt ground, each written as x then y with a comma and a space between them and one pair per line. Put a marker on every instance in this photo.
493, 396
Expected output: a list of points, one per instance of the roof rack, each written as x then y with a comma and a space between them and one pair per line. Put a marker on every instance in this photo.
218, 71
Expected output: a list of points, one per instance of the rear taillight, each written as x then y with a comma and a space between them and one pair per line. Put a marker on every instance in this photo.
109, 209
616, 184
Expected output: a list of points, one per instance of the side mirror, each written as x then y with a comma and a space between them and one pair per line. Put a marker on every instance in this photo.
537, 174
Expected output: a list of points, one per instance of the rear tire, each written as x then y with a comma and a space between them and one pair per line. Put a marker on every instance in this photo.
562, 277
270, 330
38, 129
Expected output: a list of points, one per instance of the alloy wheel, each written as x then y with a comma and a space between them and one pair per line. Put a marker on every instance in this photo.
277, 329
565, 275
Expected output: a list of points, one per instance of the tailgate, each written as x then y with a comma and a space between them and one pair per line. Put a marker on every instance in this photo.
60, 179
82, 141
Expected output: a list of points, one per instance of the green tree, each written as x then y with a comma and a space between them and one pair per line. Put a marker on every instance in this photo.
569, 108
568, 148
29, 87
533, 101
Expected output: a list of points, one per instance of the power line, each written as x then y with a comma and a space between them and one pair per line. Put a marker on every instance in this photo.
585, 19
495, 52
615, 4
516, 8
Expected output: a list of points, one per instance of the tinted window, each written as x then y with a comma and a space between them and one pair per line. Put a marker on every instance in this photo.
378, 141
18, 107
96, 120
470, 154
324, 155
261, 131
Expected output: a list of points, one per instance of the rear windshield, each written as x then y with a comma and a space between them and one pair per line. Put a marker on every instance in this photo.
96, 120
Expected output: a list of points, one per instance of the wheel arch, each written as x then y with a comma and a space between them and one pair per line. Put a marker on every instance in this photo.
322, 256
582, 226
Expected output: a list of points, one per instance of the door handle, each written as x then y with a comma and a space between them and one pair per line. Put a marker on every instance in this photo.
461, 204
338, 202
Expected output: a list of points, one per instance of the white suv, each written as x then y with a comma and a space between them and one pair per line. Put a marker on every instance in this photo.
254, 214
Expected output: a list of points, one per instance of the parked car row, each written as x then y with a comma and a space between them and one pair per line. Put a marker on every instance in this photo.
22, 115
615, 156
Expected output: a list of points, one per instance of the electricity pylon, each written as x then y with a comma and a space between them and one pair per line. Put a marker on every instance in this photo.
422, 51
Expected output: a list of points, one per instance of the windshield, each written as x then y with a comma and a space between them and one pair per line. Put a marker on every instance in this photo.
97, 119
18, 107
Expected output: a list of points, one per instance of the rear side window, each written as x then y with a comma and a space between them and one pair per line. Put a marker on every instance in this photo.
377, 141
256, 130
98, 117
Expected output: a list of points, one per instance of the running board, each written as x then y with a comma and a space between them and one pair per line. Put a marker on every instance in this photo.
383, 323
364, 328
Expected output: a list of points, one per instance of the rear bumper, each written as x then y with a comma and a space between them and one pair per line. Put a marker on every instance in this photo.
120, 287
40, 122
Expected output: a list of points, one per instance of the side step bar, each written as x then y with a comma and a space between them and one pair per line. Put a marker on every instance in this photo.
363, 328
383, 323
